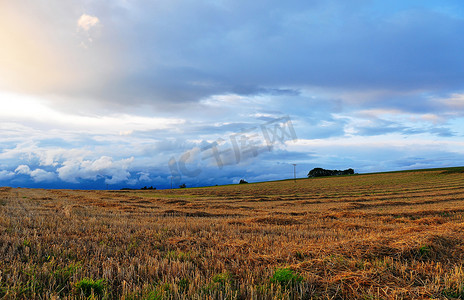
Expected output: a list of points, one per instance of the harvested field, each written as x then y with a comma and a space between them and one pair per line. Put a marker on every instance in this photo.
378, 236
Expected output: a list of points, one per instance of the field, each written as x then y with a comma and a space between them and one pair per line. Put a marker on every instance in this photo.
378, 236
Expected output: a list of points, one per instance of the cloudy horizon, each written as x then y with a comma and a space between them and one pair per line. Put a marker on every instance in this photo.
97, 94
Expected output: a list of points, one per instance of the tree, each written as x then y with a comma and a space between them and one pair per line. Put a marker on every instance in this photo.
319, 172
243, 181
348, 171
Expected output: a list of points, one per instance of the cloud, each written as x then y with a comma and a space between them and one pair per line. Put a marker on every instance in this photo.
86, 22
144, 176
170, 55
162, 77
23, 169
103, 167
443, 131
37, 175
372, 154
453, 105
5, 175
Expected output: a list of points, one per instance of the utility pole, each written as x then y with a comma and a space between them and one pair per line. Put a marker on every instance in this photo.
294, 172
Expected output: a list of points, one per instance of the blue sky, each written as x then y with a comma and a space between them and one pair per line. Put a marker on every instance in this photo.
98, 93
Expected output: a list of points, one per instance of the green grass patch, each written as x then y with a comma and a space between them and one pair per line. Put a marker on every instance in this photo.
454, 293
222, 278
63, 277
89, 287
285, 277
425, 251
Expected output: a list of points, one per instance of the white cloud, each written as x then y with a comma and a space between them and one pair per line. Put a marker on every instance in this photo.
23, 169
384, 142
144, 176
31, 150
126, 132
112, 171
38, 175
25, 109
455, 102
5, 175
86, 22
433, 118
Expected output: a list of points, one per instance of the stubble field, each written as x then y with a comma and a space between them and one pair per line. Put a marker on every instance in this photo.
379, 236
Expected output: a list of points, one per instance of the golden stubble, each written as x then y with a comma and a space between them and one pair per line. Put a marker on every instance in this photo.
381, 236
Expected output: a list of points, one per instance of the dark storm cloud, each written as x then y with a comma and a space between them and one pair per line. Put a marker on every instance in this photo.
170, 52
194, 52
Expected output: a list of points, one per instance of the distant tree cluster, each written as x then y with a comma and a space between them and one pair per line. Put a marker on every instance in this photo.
144, 188
319, 172
148, 188
243, 181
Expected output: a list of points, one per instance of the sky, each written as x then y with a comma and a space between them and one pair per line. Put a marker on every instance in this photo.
132, 93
